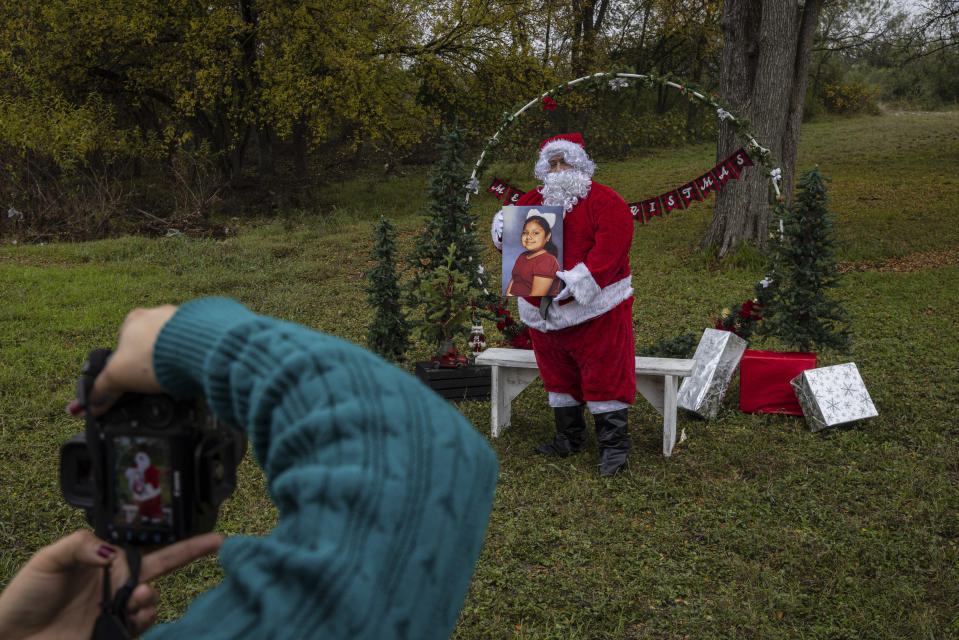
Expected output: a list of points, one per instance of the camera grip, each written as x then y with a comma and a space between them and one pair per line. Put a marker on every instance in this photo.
96, 361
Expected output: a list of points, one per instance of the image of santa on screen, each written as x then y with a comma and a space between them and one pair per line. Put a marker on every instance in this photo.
143, 479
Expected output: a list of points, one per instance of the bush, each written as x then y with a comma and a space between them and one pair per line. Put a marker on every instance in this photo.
388, 335
849, 98
614, 123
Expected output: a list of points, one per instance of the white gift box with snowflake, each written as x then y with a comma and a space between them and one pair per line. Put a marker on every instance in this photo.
831, 396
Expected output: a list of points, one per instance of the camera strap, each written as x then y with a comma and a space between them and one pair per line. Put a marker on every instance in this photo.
112, 622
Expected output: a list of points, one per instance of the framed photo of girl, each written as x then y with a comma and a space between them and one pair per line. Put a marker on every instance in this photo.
532, 250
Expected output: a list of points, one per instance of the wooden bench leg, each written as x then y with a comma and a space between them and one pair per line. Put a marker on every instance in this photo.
506, 384
653, 389
669, 415
499, 405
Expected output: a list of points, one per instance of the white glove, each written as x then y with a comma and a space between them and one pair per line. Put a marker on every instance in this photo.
566, 291
496, 230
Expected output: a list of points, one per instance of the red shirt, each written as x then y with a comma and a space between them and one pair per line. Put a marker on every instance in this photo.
525, 269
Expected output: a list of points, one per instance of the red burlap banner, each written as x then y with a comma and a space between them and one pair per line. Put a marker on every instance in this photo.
680, 198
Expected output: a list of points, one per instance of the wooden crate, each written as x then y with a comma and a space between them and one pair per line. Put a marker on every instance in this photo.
471, 382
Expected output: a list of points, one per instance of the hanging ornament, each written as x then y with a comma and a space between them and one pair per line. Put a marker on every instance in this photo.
477, 341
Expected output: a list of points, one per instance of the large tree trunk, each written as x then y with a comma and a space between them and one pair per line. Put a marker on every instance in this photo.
589, 16
765, 69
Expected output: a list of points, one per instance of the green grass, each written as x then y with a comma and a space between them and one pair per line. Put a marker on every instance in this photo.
754, 528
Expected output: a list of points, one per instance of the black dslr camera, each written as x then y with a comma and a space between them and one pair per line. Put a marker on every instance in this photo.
153, 469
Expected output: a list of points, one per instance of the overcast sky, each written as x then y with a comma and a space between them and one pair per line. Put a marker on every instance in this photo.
912, 6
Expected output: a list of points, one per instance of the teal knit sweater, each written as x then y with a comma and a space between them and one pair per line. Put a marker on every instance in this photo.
383, 489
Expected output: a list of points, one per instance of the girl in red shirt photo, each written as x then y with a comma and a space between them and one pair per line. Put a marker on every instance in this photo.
534, 272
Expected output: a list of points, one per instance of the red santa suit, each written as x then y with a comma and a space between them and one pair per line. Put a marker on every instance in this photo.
584, 341
145, 486
585, 346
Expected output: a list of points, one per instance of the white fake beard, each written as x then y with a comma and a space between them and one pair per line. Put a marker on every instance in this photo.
565, 188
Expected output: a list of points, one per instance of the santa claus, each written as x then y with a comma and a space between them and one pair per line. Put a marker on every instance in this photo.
583, 341
144, 483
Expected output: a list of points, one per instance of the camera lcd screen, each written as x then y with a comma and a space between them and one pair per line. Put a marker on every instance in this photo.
143, 495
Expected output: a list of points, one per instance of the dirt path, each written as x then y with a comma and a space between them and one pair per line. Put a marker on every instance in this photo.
909, 262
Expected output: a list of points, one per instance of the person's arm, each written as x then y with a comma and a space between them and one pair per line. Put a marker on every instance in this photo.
540, 286
383, 488
613, 234
545, 267
57, 593
509, 287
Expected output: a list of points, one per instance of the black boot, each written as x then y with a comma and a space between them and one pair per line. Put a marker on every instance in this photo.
570, 433
614, 441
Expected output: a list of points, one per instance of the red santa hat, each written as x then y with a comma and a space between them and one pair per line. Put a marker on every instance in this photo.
568, 145
575, 138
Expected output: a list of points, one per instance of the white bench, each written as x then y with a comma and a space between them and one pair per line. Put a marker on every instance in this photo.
657, 379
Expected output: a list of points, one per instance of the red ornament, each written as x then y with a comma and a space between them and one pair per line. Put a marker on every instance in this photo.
750, 310
549, 104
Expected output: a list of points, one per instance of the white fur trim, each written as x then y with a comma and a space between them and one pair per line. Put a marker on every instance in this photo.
557, 147
562, 400
562, 295
496, 230
605, 406
580, 282
575, 312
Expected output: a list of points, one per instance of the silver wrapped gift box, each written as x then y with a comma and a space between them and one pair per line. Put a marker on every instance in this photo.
834, 395
717, 356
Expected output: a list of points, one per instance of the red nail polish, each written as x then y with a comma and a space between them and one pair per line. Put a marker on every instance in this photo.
106, 552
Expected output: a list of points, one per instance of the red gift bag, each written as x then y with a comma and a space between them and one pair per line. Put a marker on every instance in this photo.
764, 381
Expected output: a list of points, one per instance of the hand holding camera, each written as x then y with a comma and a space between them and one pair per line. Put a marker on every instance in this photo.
130, 368
149, 469
59, 591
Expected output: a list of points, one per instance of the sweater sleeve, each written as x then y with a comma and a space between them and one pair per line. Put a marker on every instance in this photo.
383, 489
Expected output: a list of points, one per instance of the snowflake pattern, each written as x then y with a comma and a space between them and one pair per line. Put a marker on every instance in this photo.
835, 395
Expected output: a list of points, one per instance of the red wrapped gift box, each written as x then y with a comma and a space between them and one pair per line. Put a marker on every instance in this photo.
764, 381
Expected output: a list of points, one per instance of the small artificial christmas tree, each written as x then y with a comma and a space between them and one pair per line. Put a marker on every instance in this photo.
389, 334
445, 294
447, 247
795, 308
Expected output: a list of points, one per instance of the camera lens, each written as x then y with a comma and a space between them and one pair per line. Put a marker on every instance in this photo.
157, 412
